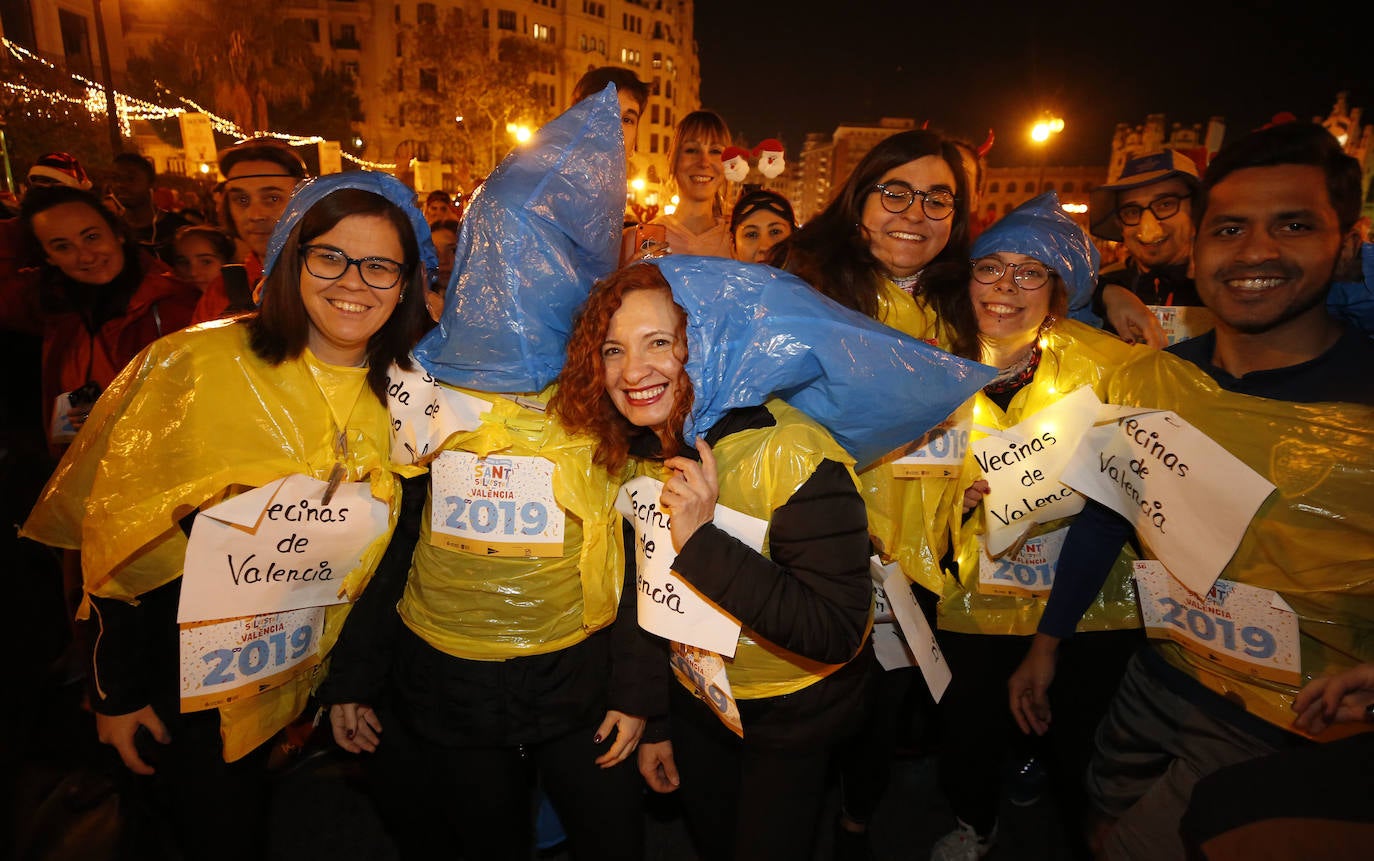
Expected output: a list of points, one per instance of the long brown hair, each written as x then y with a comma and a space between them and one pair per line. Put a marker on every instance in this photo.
281, 328
581, 401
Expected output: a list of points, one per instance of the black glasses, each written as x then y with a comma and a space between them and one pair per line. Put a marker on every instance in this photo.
897, 197
1164, 207
1030, 275
379, 273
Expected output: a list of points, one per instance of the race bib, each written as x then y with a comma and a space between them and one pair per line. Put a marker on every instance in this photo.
278, 547
1027, 573
1245, 628
495, 506
222, 662
938, 454
1181, 322
703, 673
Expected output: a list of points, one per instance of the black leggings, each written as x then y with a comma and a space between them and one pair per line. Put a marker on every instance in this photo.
979, 731
478, 800
743, 801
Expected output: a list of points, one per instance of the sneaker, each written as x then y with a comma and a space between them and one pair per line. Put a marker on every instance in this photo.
963, 844
1026, 783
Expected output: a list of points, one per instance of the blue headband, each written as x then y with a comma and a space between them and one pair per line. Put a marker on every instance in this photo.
312, 191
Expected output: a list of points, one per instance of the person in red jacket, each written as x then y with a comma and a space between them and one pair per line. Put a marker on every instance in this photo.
100, 301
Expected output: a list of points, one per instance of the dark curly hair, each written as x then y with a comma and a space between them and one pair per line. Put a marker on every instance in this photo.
581, 401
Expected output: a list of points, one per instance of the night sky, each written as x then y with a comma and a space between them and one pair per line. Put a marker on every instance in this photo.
784, 68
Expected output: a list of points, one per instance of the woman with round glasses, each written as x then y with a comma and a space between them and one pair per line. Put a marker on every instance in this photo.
1025, 270
200, 416
900, 212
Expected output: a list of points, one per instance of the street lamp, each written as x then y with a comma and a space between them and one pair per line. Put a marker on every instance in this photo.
522, 133
1046, 127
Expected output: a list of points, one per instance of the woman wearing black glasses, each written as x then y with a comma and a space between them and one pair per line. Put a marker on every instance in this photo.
297, 392
1026, 270
902, 210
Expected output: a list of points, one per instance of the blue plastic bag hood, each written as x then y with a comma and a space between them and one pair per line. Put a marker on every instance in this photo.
543, 227
756, 332
1040, 228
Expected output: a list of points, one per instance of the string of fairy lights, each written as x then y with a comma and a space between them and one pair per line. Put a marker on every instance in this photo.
130, 109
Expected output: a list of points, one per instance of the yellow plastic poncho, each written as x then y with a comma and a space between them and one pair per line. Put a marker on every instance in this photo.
1072, 355
759, 470
195, 418
910, 314
910, 517
491, 608
1312, 541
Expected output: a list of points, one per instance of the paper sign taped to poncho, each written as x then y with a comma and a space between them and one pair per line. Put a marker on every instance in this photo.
425, 413
940, 452
226, 661
668, 606
1246, 628
919, 637
1189, 499
1023, 464
703, 673
890, 649
502, 505
1181, 322
278, 547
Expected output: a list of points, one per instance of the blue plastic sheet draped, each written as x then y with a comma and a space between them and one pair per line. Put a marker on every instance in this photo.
544, 227
755, 332
312, 191
1040, 228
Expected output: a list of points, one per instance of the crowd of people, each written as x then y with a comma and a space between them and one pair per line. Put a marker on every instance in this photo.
546, 504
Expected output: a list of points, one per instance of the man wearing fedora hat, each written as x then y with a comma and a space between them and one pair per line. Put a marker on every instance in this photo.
1149, 208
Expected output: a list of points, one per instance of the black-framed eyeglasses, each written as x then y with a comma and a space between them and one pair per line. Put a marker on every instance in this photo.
379, 273
1031, 275
1163, 208
897, 197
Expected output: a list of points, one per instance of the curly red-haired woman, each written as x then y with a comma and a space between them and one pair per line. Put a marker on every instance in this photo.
798, 666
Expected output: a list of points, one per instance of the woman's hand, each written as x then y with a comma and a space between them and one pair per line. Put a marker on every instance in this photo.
690, 495
1343, 698
628, 730
657, 766
356, 727
1029, 687
119, 732
974, 494
1131, 318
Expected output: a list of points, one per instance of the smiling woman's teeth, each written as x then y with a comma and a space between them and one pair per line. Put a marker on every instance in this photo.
348, 306
1001, 309
646, 394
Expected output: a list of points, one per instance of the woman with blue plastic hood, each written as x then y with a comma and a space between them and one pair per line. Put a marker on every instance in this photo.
1026, 271
293, 393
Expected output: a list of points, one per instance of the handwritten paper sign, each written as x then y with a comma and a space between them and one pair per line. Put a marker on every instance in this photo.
1181, 322
495, 506
226, 661
668, 606
425, 413
940, 453
1246, 628
1189, 499
919, 637
278, 547
890, 649
1023, 464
